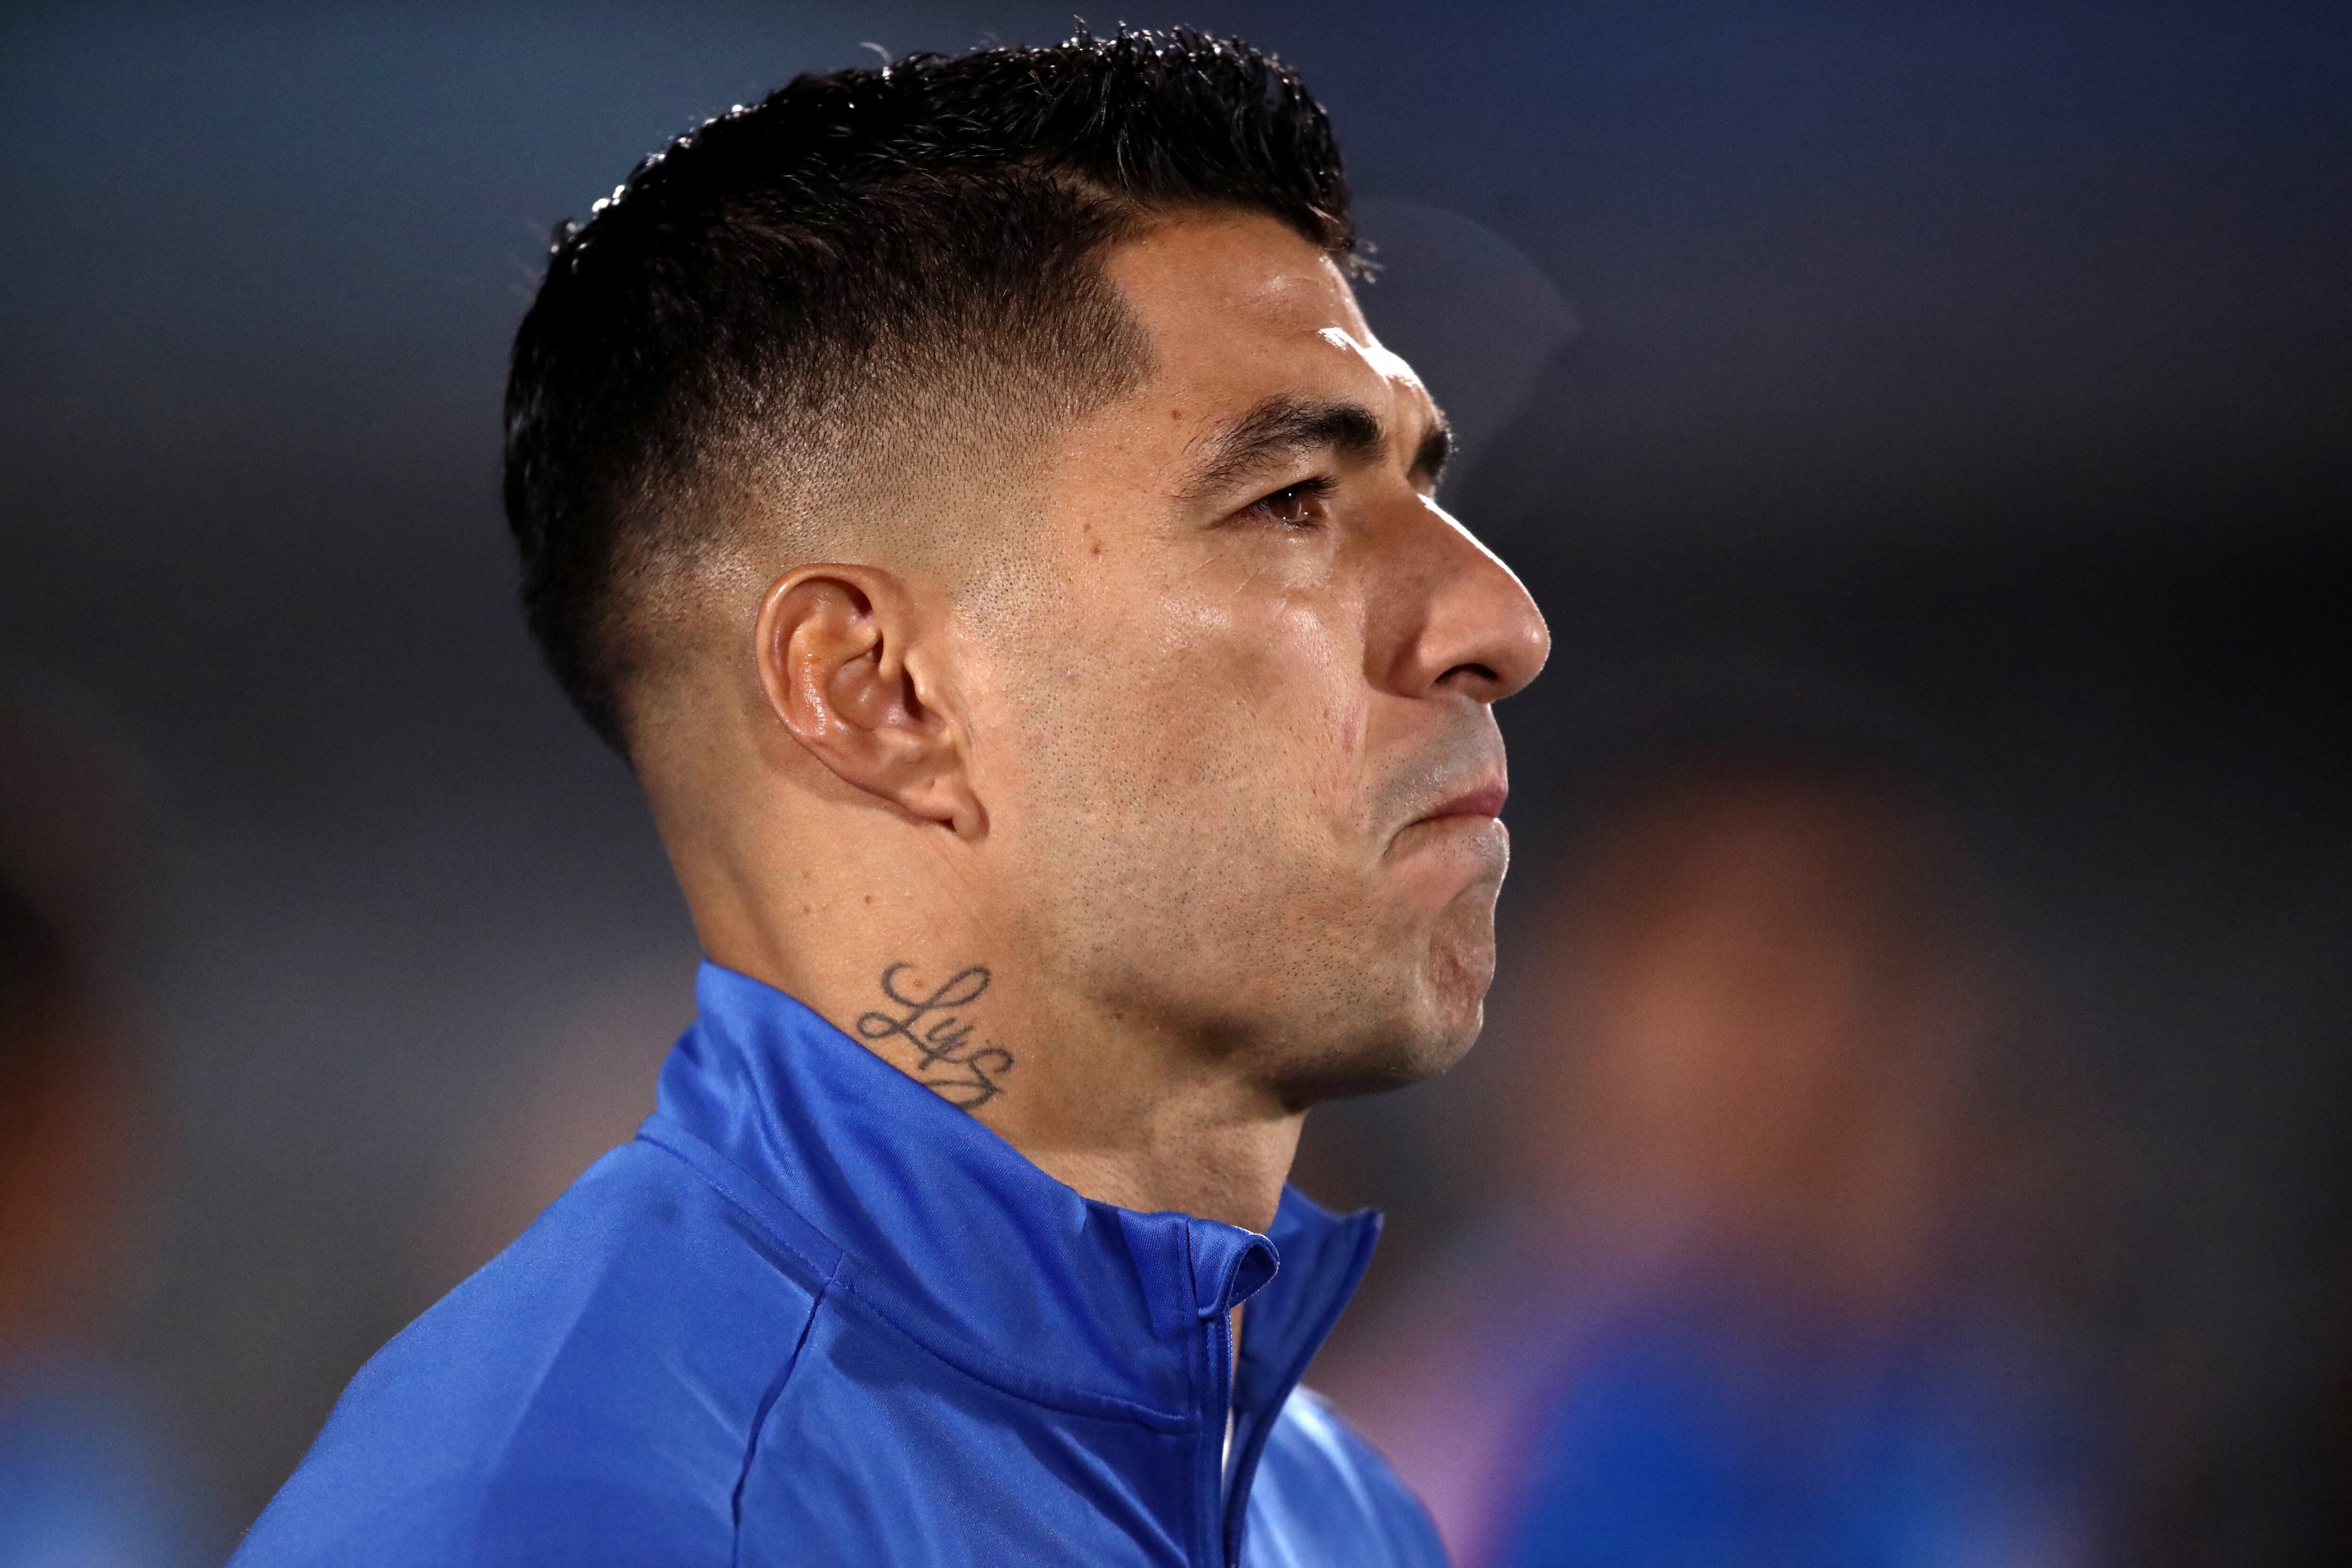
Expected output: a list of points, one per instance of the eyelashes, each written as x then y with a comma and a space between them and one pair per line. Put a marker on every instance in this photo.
1299, 505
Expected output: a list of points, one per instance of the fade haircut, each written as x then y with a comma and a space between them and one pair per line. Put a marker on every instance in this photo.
899, 248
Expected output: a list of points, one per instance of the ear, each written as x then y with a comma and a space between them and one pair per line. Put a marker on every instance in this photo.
838, 656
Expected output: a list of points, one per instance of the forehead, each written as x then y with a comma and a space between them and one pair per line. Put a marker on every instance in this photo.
1241, 307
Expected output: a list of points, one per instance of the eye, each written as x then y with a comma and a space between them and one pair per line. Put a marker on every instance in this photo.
1293, 506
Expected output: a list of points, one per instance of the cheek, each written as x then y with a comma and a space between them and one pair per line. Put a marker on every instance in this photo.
1255, 697
1281, 690
1201, 735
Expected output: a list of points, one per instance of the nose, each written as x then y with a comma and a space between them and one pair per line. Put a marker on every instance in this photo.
1464, 622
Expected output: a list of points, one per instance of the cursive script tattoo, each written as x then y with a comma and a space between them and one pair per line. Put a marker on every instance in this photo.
961, 1072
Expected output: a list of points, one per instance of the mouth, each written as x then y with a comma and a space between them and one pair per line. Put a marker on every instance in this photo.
1484, 801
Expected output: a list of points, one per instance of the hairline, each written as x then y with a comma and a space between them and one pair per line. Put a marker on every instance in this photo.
668, 567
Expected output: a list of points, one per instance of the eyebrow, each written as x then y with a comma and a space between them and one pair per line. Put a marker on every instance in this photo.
1283, 425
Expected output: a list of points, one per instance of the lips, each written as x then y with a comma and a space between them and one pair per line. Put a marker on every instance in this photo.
1486, 800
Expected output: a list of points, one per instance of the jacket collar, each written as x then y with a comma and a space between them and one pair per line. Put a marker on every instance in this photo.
954, 1236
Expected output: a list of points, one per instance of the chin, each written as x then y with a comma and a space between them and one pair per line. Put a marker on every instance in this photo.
1411, 1032
1398, 1058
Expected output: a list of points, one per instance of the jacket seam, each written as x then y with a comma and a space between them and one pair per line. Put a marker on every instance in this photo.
768, 1400
767, 1228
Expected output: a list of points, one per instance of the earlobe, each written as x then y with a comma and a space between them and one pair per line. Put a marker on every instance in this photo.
837, 653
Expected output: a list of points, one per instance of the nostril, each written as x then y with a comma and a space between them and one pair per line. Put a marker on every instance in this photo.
1479, 673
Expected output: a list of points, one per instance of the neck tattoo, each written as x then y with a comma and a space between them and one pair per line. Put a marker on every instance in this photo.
962, 1071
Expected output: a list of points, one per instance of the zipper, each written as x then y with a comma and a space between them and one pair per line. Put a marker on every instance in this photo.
1254, 1427
1213, 1532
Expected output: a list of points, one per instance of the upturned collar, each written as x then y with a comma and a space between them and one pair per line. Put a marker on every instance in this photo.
958, 1240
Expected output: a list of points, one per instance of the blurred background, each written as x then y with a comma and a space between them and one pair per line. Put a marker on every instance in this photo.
1915, 1124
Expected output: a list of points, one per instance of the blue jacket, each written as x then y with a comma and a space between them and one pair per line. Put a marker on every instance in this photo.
815, 1315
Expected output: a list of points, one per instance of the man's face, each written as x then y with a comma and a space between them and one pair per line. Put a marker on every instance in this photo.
1236, 738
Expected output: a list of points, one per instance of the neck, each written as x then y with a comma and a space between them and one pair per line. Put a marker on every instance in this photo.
1119, 1109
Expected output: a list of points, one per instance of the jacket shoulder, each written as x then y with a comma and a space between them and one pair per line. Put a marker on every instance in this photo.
590, 1396
1324, 1494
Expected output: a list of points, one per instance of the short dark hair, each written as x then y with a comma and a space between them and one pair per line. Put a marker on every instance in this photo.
794, 270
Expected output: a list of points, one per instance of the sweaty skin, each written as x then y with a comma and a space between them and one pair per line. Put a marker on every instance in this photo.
1170, 806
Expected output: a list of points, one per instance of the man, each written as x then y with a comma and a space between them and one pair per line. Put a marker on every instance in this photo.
969, 496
